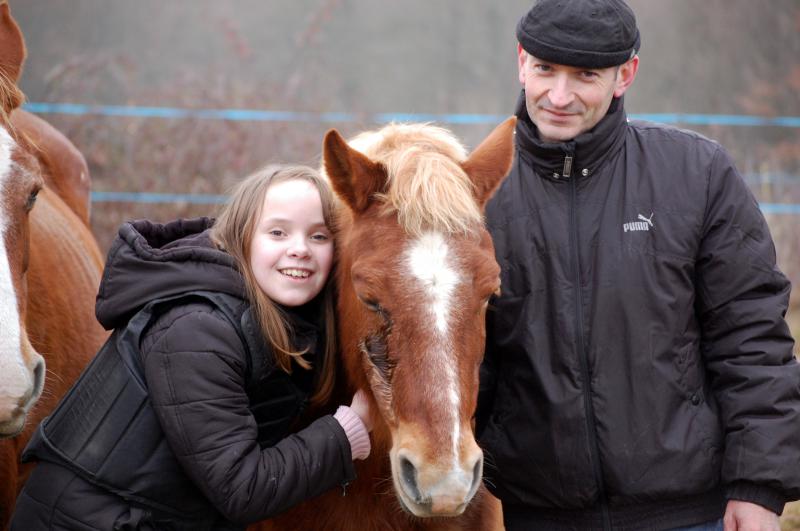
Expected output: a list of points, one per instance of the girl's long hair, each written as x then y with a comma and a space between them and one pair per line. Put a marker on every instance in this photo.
233, 232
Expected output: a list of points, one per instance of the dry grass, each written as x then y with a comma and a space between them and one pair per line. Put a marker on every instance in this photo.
790, 521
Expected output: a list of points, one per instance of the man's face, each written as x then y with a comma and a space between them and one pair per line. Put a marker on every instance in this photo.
565, 101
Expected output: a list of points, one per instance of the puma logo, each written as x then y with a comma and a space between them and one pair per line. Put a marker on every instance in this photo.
644, 224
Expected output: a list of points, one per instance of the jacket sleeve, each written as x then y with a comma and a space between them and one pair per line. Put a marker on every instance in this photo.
195, 372
747, 347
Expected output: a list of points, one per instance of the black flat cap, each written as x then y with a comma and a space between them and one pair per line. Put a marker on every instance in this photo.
584, 33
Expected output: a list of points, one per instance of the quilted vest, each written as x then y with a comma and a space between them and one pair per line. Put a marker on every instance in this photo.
107, 432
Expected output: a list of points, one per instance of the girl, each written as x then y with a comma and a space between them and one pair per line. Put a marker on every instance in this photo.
222, 335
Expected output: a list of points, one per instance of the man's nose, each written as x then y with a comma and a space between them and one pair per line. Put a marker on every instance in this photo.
561, 94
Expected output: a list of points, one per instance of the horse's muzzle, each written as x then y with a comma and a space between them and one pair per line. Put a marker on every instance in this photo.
424, 492
15, 411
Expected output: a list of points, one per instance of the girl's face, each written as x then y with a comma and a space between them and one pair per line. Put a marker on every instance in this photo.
292, 250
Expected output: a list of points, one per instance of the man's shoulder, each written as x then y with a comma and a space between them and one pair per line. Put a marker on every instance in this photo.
654, 132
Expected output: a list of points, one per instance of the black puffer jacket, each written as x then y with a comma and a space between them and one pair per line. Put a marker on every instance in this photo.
196, 368
638, 367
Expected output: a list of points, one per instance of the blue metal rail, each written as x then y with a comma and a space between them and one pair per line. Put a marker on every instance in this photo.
257, 115
208, 199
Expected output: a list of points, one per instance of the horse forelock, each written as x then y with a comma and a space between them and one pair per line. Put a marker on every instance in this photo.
426, 187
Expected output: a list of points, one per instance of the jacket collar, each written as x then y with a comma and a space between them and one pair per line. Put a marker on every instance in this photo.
586, 151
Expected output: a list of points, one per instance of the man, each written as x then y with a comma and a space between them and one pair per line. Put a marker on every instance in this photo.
639, 373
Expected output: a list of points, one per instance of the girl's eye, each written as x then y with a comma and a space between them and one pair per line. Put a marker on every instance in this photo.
320, 237
276, 232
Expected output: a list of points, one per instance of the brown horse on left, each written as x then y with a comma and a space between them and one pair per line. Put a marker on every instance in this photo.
50, 267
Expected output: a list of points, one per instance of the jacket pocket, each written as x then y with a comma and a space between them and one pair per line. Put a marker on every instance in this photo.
668, 423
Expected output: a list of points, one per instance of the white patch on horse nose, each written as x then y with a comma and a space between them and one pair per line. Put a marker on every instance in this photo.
430, 261
13, 374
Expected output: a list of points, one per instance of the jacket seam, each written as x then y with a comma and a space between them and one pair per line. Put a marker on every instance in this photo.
171, 353
701, 284
178, 419
157, 345
227, 443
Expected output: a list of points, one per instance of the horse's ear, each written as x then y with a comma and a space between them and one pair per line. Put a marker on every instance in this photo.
491, 161
354, 177
12, 54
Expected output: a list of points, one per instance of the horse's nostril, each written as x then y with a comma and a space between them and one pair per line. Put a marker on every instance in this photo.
409, 474
38, 375
477, 474
26, 401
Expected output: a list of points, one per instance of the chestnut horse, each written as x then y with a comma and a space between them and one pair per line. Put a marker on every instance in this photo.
50, 268
415, 270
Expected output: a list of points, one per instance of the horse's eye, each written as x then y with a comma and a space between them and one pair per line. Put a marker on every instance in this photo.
371, 305
31, 200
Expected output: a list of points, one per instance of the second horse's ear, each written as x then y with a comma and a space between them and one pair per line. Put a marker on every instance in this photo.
12, 56
491, 161
354, 177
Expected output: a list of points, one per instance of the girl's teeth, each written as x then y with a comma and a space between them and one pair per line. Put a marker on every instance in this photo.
296, 273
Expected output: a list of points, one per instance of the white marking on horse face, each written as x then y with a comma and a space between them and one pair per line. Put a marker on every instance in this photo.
14, 378
428, 258
434, 269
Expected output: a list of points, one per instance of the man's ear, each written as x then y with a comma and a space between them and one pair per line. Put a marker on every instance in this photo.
522, 57
626, 75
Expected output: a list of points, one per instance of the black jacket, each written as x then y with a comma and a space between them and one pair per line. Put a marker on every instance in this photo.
230, 455
638, 367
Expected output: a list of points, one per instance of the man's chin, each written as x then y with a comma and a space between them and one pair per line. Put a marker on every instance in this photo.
556, 134
555, 130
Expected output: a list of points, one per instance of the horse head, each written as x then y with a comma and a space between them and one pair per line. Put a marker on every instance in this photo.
415, 271
21, 367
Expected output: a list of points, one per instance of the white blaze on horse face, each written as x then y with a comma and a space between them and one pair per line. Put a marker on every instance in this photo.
14, 379
429, 263
432, 267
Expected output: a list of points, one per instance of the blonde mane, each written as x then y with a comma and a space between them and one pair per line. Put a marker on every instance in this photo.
11, 97
426, 185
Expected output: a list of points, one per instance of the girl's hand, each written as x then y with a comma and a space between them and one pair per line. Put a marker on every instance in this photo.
360, 406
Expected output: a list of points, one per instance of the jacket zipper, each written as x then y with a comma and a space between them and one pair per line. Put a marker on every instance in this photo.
567, 171
591, 426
